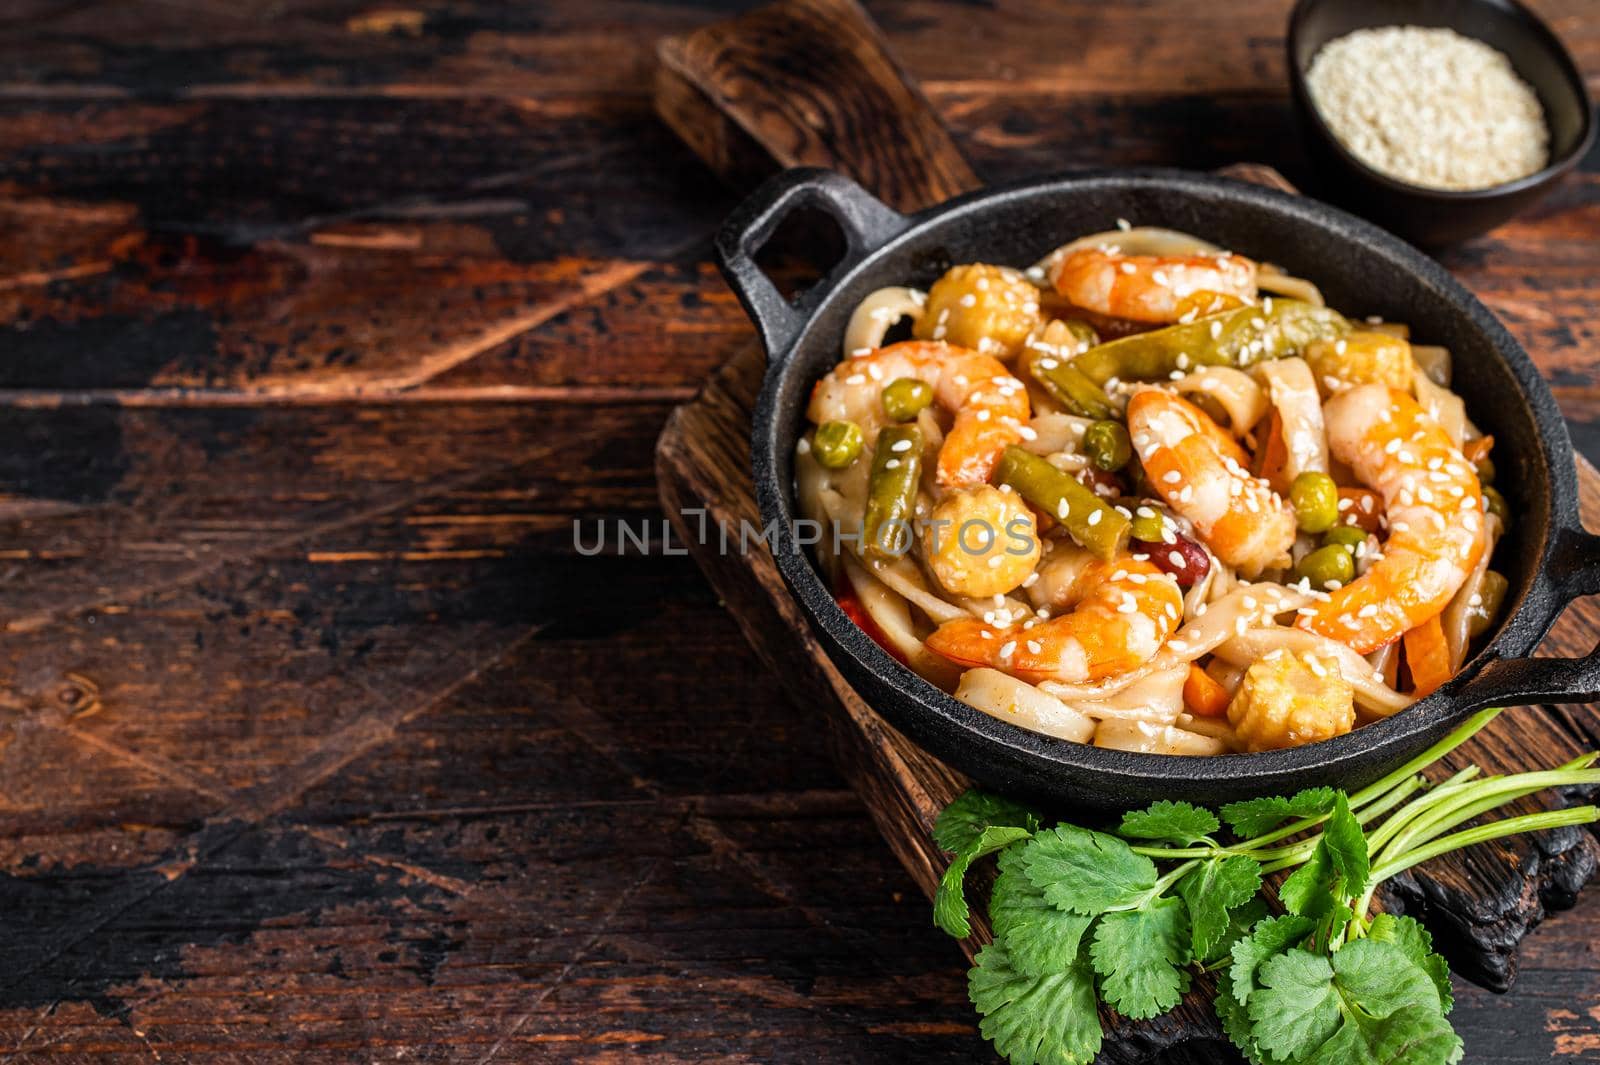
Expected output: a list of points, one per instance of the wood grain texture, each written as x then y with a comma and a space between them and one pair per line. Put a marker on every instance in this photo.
320, 742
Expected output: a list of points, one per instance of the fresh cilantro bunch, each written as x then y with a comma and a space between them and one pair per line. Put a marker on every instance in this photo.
1126, 919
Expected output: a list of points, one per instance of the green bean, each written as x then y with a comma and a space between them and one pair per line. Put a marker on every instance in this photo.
1493, 594
892, 492
1107, 445
1148, 525
1325, 565
837, 444
906, 397
1068, 387
1240, 337
1087, 518
1315, 499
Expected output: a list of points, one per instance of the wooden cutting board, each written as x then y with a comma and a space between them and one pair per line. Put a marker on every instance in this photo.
812, 82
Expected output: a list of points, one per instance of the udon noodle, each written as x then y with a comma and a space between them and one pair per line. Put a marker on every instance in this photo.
1153, 495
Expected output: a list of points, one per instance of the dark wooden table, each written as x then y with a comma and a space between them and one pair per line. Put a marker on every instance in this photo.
319, 741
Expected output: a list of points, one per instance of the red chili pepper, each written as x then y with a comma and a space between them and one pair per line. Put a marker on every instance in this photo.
857, 613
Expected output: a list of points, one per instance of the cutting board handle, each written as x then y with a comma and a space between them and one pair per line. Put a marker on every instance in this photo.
864, 220
807, 83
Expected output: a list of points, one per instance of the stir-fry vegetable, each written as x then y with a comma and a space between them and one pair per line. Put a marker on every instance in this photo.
1315, 499
1107, 445
906, 397
1327, 567
1069, 387
837, 444
1236, 338
892, 491
1085, 516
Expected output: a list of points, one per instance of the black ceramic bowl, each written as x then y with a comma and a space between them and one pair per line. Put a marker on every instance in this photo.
1549, 559
1434, 217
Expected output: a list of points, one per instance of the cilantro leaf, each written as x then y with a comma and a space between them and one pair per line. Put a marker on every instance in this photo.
1038, 937
1308, 891
1176, 822
1339, 1011
1235, 1019
1255, 817
1409, 1037
1086, 872
1267, 940
1296, 1008
950, 910
1336, 871
1211, 890
1240, 920
1414, 940
1138, 954
1390, 1011
1347, 846
1035, 1020
1380, 978
963, 821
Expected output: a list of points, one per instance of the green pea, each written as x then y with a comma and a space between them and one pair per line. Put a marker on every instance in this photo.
906, 397
1315, 499
1148, 525
1485, 468
1348, 537
1496, 504
837, 444
1326, 564
1107, 445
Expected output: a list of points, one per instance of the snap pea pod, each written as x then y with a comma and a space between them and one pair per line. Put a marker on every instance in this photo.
892, 492
1089, 519
1239, 338
1070, 388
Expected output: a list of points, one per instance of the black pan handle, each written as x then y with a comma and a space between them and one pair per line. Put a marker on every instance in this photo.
866, 222
1574, 570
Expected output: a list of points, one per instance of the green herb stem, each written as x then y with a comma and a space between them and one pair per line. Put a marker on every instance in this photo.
1510, 826
1420, 806
1464, 732
1480, 798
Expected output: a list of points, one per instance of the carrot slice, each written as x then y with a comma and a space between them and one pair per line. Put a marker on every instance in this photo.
1365, 508
1474, 450
1272, 454
1428, 656
857, 613
1203, 694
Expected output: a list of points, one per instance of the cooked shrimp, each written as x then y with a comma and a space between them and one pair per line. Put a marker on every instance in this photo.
1149, 288
1198, 470
990, 406
1435, 510
1121, 614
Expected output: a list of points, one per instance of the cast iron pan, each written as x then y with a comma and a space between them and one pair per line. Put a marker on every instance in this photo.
1548, 558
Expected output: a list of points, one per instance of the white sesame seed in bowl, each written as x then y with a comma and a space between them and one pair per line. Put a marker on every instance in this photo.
1437, 119
1430, 107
